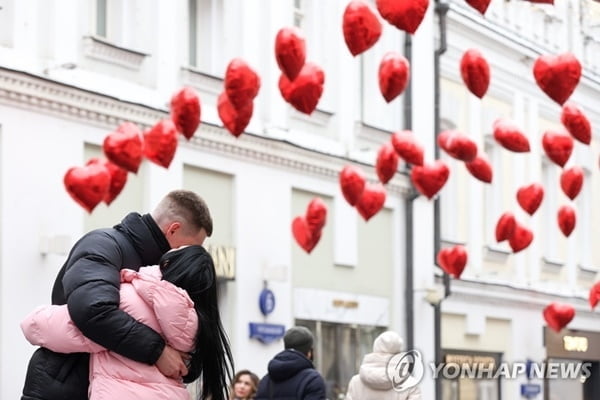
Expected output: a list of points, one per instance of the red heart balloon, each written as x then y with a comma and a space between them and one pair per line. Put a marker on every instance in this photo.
352, 183
361, 26
479, 5
521, 238
530, 197
509, 136
185, 111
594, 295
557, 76
316, 214
481, 168
87, 185
406, 15
566, 219
453, 260
571, 181
394, 71
558, 315
235, 120
304, 92
558, 146
241, 83
475, 72
458, 145
305, 238
430, 178
407, 147
575, 121
118, 179
387, 163
505, 227
290, 51
124, 146
371, 200
160, 143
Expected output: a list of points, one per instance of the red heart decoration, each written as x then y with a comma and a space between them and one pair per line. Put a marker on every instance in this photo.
118, 179
290, 51
124, 146
558, 146
475, 72
453, 260
160, 143
316, 214
594, 295
509, 136
557, 76
558, 315
505, 227
406, 15
241, 83
394, 70
576, 123
430, 178
87, 185
407, 147
521, 238
305, 238
566, 219
458, 145
530, 197
479, 5
481, 168
235, 120
361, 27
387, 163
371, 200
185, 111
571, 181
352, 183
304, 92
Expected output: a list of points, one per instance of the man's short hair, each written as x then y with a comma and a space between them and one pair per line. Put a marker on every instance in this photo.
187, 207
299, 338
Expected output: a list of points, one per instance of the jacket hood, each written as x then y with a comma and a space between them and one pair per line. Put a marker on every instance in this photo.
373, 371
145, 235
287, 364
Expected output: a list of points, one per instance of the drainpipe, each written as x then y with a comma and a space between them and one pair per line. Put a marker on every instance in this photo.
441, 9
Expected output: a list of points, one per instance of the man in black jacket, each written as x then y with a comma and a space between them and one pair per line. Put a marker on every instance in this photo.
89, 284
292, 375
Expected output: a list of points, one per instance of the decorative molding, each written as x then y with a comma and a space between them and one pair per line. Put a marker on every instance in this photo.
318, 117
202, 81
551, 266
495, 254
19, 89
587, 273
103, 50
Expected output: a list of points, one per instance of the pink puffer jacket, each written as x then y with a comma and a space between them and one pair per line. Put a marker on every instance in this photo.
158, 304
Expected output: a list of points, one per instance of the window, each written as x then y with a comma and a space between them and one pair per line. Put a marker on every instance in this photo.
206, 40
101, 10
298, 13
339, 350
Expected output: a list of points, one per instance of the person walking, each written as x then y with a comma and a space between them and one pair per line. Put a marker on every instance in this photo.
291, 373
88, 283
373, 381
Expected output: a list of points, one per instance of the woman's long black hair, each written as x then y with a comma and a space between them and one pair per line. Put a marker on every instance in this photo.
192, 269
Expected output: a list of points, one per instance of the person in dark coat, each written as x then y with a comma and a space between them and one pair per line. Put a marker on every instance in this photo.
89, 284
291, 374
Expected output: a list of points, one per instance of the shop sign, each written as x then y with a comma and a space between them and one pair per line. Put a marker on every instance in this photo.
572, 344
224, 259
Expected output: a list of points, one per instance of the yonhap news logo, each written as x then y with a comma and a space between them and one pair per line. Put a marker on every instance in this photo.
405, 370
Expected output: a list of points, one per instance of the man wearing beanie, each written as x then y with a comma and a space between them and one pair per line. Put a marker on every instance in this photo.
291, 374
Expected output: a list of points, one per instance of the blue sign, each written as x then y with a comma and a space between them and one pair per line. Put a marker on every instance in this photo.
266, 301
530, 390
266, 333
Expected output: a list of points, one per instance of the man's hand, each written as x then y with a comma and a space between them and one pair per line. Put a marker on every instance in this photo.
172, 363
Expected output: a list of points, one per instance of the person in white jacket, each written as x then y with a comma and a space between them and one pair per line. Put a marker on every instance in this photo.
373, 381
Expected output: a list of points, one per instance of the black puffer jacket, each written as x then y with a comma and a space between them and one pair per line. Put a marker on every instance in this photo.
291, 376
89, 284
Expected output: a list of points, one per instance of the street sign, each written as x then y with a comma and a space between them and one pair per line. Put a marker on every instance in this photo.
530, 390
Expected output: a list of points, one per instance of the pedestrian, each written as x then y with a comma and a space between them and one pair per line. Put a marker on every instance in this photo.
89, 283
244, 385
373, 380
291, 373
189, 320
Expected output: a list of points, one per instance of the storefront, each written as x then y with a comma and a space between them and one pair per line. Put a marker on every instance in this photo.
470, 375
577, 355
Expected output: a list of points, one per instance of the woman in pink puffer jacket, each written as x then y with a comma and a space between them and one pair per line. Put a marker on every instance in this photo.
155, 296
